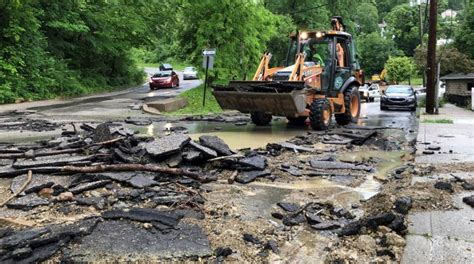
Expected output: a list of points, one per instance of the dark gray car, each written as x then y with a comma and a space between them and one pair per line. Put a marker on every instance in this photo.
398, 97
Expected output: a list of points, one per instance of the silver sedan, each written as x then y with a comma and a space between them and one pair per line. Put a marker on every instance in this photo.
190, 73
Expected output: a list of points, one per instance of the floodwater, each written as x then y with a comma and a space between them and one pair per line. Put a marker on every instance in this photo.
267, 194
236, 136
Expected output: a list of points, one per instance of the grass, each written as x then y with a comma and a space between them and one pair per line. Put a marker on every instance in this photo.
438, 121
194, 107
414, 81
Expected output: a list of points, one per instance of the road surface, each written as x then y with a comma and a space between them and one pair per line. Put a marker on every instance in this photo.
105, 106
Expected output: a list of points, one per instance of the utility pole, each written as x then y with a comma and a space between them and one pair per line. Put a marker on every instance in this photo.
423, 74
431, 58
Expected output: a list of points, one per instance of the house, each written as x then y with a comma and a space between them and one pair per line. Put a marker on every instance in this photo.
459, 87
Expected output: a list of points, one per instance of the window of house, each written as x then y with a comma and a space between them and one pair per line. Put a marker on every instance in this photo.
469, 86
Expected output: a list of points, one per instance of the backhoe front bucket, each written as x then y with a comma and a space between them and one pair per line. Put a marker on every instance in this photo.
281, 99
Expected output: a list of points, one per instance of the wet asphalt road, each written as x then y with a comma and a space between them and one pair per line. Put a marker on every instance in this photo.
108, 106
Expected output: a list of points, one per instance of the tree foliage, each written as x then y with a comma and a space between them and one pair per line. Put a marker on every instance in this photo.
399, 69
451, 60
51, 48
464, 39
66, 48
366, 18
239, 30
403, 25
374, 51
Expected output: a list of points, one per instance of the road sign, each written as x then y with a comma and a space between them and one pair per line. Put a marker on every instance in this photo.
209, 52
207, 63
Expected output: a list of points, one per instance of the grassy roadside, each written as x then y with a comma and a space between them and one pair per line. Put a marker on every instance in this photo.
437, 121
194, 107
414, 81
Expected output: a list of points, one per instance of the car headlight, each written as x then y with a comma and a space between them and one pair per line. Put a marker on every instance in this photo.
384, 97
411, 99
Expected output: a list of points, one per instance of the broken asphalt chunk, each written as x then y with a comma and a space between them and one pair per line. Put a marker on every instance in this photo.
144, 215
292, 220
222, 251
216, 144
288, 207
249, 176
403, 204
291, 169
350, 229
27, 202
381, 219
446, 186
290, 146
142, 181
467, 186
58, 161
21, 238
469, 200
208, 152
257, 162
167, 145
251, 239
102, 133
335, 165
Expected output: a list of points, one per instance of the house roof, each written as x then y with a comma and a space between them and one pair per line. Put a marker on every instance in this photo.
459, 76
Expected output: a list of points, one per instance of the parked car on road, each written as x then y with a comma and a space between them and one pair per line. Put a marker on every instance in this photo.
420, 94
166, 67
369, 92
190, 73
398, 97
164, 79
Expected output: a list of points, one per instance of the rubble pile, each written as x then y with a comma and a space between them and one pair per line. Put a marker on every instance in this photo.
110, 182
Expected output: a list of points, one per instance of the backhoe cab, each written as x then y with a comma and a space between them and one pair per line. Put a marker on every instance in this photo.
320, 78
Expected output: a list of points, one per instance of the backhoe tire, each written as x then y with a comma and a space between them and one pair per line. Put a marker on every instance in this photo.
260, 118
297, 121
320, 114
352, 105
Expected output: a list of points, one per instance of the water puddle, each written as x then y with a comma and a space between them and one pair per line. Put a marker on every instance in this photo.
243, 136
333, 189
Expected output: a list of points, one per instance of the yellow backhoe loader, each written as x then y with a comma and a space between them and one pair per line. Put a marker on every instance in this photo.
320, 78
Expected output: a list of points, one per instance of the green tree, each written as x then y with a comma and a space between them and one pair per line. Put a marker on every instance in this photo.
374, 51
366, 18
464, 39
239, 30
399, 69
451, 60
64, 48
403, 23
385, 6
306, 14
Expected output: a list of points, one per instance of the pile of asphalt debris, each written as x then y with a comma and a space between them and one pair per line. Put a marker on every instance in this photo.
127, 176
325, 216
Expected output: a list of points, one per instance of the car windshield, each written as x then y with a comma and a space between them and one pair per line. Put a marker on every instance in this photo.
189, 69
399, 90
162, 74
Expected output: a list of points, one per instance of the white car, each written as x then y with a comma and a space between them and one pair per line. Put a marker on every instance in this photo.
369, 93
190, 73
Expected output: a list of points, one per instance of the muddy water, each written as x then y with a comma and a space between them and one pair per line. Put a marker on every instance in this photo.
245, 136
267, 194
